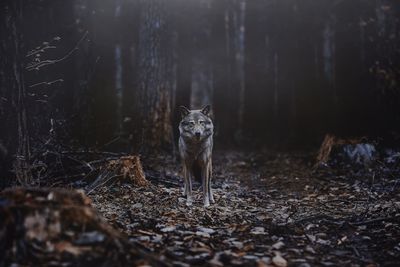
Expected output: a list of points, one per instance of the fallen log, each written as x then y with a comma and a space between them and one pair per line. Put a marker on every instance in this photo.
57, 227
350, 151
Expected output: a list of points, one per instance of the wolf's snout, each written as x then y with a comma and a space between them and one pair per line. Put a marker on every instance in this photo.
197, 134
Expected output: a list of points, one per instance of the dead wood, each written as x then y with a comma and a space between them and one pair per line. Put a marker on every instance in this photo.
128, 168
326, 148
330, 141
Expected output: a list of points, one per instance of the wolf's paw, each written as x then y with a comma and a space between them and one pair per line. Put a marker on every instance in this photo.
212, 201
189, 202
184, 191
206, 203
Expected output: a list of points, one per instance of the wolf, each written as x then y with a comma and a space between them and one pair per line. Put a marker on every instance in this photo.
196, 131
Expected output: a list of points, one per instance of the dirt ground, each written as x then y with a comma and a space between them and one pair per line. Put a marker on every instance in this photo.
272, 209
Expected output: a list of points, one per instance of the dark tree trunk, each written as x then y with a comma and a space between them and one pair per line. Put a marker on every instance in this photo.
129, 23
103, 94
349, 69
85, 67
261, 69
13, 91
384, 64
154, 86
228, 61
201, 76
182, 14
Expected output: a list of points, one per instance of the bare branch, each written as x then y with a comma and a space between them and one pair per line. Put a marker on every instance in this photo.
42, 48
40, 64
46, 83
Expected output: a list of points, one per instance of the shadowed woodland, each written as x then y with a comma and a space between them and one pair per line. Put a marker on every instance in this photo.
305, 103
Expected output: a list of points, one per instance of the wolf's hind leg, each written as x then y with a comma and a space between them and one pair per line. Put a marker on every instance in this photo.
210, 193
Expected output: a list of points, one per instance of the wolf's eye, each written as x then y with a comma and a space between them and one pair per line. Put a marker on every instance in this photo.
191, 123
202, 123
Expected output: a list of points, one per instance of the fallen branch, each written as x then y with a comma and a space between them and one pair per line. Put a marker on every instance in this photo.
388, 219
100, 181
90, 152
84, 163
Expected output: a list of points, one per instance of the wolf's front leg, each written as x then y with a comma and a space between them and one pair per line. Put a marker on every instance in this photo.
188, 185
210, 193
184, 192
205, 181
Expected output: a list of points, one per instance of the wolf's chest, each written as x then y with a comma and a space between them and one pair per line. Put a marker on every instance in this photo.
194, 150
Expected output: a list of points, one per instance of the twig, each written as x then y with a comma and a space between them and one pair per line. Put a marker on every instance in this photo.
154, 179
46, 83
94, 153
355, 251
291, 214
102, 160
40, 64
73, 159
101, 184
376, 220
46, 45
315, 218
40, 49
112, 141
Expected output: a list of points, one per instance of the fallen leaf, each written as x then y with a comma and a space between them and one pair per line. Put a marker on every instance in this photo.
278, 245
279, 261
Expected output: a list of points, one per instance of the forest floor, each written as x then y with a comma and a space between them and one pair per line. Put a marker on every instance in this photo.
272, 209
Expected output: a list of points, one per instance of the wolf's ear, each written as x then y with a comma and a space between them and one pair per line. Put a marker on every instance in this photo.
206, 110
184, 111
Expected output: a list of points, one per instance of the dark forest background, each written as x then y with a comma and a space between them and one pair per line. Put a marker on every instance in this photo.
109, 75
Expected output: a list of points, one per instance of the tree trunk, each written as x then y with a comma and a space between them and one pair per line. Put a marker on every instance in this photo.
154, 90
13, 87
184, 47
261, 69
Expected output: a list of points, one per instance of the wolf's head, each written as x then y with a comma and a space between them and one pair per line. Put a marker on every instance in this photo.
196, 125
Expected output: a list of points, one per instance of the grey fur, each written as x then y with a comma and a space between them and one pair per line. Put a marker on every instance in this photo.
195, 147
